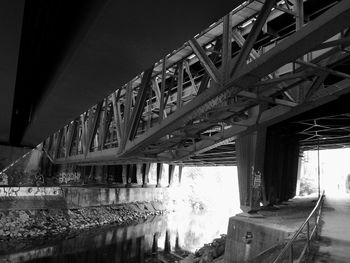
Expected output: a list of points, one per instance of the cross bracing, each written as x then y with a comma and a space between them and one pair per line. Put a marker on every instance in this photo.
262, 63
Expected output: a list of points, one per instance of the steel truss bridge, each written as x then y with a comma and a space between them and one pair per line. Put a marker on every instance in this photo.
264, 62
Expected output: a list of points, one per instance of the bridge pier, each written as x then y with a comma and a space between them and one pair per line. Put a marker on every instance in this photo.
268, 166
250, 155
171, 174
281, 164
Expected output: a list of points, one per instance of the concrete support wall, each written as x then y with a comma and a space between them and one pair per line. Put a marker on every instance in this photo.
245, 239
77, 197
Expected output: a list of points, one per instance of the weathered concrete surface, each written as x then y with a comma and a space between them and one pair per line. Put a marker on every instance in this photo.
77, 197
335, 234
24, 198
247, 237
33, 203
19, 198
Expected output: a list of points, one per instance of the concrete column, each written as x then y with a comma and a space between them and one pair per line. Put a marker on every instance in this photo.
159, 174
105, 174
130, 170
98, 175
88, 174
167, 245
114, 173
177, 242
250, 156
141, 242
139, 174
152, 175
146, 171
180, 173
165, 176
171, 174
124, 174
155, 243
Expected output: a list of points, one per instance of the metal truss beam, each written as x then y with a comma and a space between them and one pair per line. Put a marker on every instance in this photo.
268, 117
190, 122
252, 37
209, 66
295, 46
117, 116
139, 105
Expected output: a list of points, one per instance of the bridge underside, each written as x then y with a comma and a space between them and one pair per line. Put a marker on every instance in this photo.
243, 92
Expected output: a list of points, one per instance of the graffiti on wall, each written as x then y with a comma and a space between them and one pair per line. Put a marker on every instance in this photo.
4, 179
29, 191
69, 177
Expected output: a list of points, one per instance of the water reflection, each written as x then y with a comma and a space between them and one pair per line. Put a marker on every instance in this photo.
158, 239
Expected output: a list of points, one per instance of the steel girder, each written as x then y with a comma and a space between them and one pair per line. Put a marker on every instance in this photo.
162, 130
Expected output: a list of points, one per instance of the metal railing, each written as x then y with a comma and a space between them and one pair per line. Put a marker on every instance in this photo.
288, 250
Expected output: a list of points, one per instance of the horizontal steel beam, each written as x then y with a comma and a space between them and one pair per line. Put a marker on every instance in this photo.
317, 31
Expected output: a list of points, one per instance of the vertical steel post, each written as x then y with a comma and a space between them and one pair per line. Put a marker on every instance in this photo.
308, 236
318, 168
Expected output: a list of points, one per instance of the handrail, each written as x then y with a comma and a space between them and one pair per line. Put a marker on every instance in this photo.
289, 247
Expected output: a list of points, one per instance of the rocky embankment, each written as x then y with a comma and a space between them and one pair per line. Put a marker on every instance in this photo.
24, 224
212, 252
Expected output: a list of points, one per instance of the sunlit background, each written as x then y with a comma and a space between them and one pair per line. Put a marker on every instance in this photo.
209, 196
334, 169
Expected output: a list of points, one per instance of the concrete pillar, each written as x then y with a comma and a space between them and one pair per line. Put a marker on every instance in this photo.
165, 176
155, 243
152, 176
141, 245
124, 174
88, 174
129, 174
98, 175
250, 156
171, 174
146, 173
139, 174
177, 242
104, 174
115, 173
167, 245
159, 174
180, 173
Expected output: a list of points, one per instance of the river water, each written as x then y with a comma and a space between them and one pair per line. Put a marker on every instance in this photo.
164, 238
